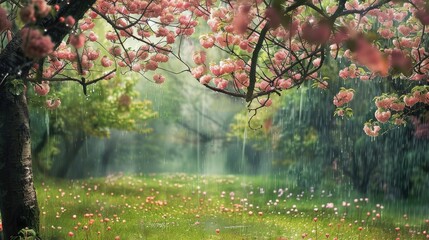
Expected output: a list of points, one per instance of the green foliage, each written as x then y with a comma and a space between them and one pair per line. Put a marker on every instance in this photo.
25, 234
16, 86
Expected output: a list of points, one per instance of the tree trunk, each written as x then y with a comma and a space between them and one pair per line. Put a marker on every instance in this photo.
18, 203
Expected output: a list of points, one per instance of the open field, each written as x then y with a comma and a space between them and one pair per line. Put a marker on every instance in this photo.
181, 206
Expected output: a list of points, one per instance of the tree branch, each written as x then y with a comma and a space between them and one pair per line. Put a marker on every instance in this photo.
254, 61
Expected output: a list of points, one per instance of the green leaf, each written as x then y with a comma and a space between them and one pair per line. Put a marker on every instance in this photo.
16, 87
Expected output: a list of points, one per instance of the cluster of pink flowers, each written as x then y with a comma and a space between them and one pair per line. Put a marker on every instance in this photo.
416, 97
316, 32
34, 44
382, 115
349, 72
289, 56
343, 96
77, 40
242, 18
35, 9
266, 102
390, 102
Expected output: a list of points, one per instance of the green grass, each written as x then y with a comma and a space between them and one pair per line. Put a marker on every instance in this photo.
180, 206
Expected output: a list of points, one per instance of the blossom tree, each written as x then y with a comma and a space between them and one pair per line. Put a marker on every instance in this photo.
271, 46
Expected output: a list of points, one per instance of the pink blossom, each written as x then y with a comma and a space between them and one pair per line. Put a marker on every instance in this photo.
280, 55
34, 9
316, 33
418, 77
382, 116
423, 16
329, 205
350, 5
273, 17
242, 80
368, 55
151, 65
216, 70
397, 106
344, 73
222, 84
92, 37
70, 21
92, 55
410, 100
404, 30
205, 79
386, 33
34, 44
364, 77
198, 71
227, 67
199, 57
217, 80
266, 102
331, 9
171, 38
401, 62
106, 62
130, 56
316, 62
158, 78
384, 102
136, 67
27, 14
221, 39
111, 36
42, 89
323, 85
373, 132
52, 104
265, 86
343, 97
421, 96
162, 32
241, 19
89, 24
41, 7
340, 36
159, 57
77, 41
214, 24
285, 84
399, 121
340, 112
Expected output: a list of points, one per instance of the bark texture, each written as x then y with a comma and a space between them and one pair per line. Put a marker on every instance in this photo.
18, 201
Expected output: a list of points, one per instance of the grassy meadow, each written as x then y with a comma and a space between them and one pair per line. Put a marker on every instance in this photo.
182, 206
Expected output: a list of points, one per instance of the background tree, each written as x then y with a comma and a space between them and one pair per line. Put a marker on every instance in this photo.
110, 105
